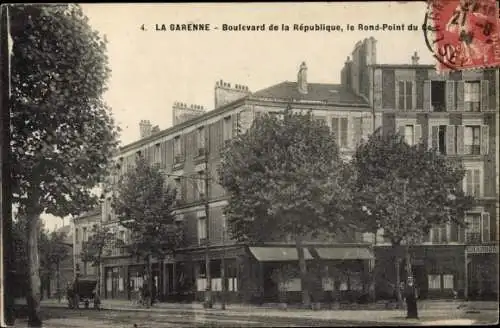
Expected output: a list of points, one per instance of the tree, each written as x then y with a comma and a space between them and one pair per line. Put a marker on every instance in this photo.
92, 250
143, 203
62, 132
53, 249
285, 178
405, 190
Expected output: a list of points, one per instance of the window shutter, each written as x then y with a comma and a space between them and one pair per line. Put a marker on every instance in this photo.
485, 96
418, 133
460, 139
366, 127
234, 119
453, 232
357, 130
414, 95
401, 130
399, 90
485, 221
468, 182
427, 96
435, 137
460, 95
476, 178
450, 139
450, 96
485, 139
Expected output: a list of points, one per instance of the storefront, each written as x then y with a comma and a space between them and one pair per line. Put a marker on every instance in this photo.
482, 272
334, 273
438, 270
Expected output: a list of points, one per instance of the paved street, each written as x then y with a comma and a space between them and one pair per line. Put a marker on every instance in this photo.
55, 315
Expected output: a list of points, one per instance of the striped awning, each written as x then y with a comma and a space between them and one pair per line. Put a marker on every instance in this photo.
278, 254
345, 253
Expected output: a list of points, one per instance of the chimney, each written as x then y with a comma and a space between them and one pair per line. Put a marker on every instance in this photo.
183, 112
415, 58
145, 128
302, 78
225, 93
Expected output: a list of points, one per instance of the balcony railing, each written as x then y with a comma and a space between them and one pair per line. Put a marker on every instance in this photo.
178, 159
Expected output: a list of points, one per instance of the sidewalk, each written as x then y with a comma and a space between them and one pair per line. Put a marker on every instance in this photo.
430, 312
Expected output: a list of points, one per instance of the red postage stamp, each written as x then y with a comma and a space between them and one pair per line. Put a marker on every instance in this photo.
463, 34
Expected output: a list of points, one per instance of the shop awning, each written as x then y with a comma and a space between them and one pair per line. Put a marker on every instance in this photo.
345, 253
278, 254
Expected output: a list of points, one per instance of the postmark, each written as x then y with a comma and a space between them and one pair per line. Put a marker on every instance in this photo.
463, 34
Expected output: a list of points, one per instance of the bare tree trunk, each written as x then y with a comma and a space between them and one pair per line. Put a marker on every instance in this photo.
58, 281
150, 281
306, 297
33, 295
397, 264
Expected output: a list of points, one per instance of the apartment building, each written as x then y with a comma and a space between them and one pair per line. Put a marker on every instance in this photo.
457, 114
190, 149
82, 227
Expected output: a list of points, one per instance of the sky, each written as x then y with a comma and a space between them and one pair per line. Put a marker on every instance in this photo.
153, 69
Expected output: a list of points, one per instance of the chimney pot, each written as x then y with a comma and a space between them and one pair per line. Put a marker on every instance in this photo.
415, 58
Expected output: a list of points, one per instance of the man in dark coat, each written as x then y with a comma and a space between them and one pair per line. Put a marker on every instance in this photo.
411, 299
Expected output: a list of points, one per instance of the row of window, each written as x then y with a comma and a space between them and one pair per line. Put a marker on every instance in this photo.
442, 96
478, 231
451, 139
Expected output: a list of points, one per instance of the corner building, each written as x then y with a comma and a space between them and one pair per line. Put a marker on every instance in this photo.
190, 148
457, 114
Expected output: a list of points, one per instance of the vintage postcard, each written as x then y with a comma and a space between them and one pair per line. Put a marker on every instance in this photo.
250, 164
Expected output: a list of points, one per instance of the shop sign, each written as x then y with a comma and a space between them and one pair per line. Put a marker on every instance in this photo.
481, 249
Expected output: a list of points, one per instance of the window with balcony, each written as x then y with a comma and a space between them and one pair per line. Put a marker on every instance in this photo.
412, 133
200, 141
472, 182
472, 96
438, 96
227, 129
478, 228
339, 129
157, 155
405, 95
472, 140
202, 229
200, 183
178, 154
178, 189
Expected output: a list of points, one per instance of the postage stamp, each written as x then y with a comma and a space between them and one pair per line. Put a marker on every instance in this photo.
463, 34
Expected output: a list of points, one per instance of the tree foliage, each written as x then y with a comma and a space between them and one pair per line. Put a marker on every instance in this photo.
285, 178
405, 189
54, 249
62, 132
100, 238
143, 203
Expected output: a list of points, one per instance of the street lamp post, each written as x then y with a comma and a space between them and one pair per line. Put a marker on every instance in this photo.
223, 264
208, 290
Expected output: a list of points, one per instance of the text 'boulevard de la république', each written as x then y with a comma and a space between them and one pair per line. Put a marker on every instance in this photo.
285, 27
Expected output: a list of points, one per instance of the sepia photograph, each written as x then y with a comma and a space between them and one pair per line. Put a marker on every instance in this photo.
287, 164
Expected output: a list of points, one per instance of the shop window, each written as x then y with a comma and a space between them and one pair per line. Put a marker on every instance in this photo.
448, 281
434, 281
232, 284
328, 284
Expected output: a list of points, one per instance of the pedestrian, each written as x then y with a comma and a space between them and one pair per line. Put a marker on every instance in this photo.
411, 299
